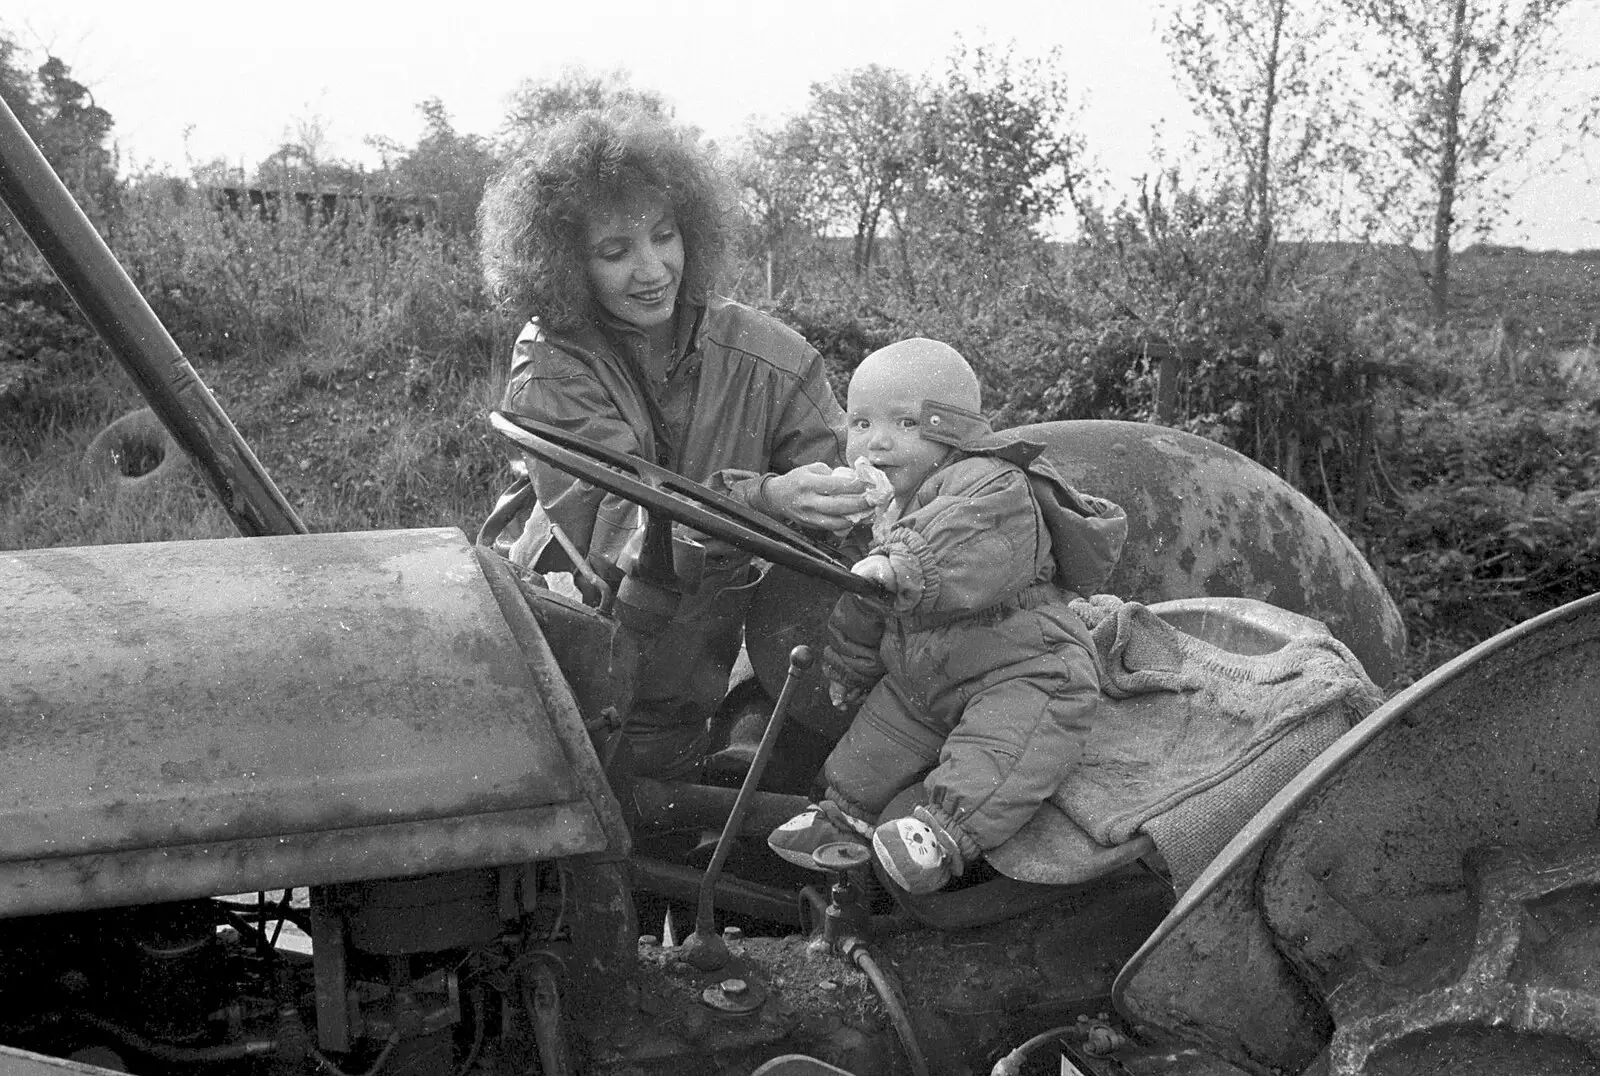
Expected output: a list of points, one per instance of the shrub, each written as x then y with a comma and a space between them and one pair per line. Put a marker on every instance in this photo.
1472, 559
1496, 443
48, 356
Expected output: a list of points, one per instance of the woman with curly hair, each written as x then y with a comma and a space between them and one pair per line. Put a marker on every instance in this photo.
607, 233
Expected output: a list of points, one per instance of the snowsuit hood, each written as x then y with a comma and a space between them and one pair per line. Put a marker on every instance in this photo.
1087, 533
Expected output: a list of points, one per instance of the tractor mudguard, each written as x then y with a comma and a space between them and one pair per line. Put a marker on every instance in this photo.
182, 719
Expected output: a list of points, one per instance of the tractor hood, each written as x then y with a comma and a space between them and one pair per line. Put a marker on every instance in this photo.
186, 718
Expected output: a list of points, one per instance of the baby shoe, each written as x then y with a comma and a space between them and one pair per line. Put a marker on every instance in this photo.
817, 825
910, 855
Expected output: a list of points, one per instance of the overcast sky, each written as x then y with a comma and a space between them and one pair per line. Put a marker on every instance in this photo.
188, 80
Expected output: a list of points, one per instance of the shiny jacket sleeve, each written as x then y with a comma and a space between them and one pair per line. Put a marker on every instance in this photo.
556, 388
809, 429
972, 537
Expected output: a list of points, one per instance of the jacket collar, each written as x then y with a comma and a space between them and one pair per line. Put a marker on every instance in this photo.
969, 431
688, 318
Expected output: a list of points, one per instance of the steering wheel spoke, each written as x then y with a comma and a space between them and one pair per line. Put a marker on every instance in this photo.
660, 491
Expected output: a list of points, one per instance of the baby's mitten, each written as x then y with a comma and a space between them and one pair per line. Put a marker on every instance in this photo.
910, 854
851, 660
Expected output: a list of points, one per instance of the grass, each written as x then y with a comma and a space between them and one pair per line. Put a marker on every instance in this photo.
358, 363
52, 498
1555, 296
351, 452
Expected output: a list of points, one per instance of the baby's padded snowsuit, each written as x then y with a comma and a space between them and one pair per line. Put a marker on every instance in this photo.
979, 675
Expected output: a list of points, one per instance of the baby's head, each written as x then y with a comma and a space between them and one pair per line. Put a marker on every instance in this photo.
887, 392
920, 367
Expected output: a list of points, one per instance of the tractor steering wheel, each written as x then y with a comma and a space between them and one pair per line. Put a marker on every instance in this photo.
656, 489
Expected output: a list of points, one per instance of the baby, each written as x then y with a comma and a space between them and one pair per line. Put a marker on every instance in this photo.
974, 676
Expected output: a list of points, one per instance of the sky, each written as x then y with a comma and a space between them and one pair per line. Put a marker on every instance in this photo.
187, 81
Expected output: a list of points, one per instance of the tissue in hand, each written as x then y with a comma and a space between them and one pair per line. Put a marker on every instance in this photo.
880, 494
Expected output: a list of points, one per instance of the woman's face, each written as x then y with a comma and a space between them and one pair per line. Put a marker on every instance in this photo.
636, 261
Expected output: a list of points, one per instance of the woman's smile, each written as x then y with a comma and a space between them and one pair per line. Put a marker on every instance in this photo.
654, 295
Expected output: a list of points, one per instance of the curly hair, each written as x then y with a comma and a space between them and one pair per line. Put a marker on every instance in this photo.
534, 219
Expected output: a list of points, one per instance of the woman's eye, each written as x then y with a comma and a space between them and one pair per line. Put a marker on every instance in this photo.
908, 424
611, 254
666, 237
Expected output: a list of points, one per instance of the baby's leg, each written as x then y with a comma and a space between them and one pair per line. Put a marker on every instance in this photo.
887, 747
1016, 741
882, 751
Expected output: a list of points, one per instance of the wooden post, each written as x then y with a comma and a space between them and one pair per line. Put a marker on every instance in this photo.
1358, 501
1291, 457
1166, 357
1167, 389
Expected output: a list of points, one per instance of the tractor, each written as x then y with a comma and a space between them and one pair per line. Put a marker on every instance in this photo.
356, 803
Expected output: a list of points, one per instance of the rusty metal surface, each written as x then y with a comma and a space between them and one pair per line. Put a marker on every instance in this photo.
519, 604
178, 872
1359, 861
1520, 989
580, 640
188, 693
1203, 522
678, 806
970, 995
122, 318
605, 935
1210, 974
22, 1063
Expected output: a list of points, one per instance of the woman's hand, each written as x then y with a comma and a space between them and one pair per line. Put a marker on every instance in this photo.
816, 497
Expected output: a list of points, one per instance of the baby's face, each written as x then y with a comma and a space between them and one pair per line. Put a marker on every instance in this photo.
885, 426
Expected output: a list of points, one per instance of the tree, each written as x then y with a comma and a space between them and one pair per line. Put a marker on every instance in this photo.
18, 86
1252, 71
537, 103
301, 161
860, 130
445, 164
71, 130
73, 133
961, 166
997, 138
1457, 94
996, 156
781, 192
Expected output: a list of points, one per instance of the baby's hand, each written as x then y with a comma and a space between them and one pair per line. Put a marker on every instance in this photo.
876, 568
843, 697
